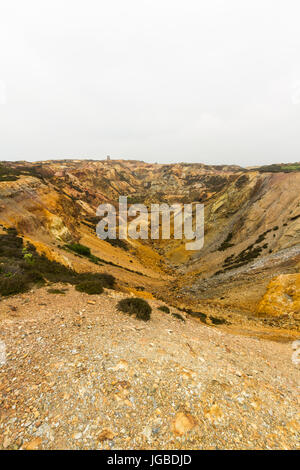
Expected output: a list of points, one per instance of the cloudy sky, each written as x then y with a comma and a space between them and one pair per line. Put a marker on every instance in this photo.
157, 80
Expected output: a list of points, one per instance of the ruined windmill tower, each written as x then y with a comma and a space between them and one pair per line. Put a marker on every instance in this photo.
108, 158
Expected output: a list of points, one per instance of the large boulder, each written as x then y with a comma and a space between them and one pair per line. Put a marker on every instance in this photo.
282, 296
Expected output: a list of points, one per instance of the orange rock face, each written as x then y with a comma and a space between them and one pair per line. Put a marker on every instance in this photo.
282, 296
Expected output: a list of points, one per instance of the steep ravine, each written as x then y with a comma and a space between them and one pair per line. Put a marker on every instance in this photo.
252, 229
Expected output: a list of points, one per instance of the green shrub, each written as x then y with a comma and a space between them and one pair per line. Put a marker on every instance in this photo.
241, 181
13, 285
217, 321
106, 280
275, 168
9, 173
118, 243
178, 316
80, 249
90, 287
28, 258
201, 316
137, 306
51, 270
226, 243
261, 237
244, 257
164, 308
27, 267
34, 277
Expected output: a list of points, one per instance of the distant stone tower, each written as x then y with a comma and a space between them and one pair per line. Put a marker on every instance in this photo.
108, 158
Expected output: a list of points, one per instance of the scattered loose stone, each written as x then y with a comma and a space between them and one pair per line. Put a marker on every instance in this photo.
32, 445
183, 423
114, 383
106, 434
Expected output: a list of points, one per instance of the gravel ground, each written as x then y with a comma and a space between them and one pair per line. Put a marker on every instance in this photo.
81, 375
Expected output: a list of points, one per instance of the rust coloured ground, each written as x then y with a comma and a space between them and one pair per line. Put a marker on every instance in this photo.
81, 375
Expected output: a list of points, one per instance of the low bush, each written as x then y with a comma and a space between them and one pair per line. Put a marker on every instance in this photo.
106, 280
21, 267
51, 270
15, 284
118, 243
226, 243
164, 308
34, 277
90, 287
217, 321
178, 316
135, 306
201, 316
275, 168
80, 249
261, 237
9, 173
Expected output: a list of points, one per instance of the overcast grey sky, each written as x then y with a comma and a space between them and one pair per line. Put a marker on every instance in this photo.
157, 80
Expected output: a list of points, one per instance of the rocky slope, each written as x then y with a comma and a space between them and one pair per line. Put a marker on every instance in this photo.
219, 373
252, 227
81, 375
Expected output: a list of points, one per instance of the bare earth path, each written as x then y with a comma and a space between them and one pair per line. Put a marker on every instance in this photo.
80, 375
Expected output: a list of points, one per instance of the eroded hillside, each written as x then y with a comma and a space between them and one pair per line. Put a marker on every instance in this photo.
79, 369
252, 230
